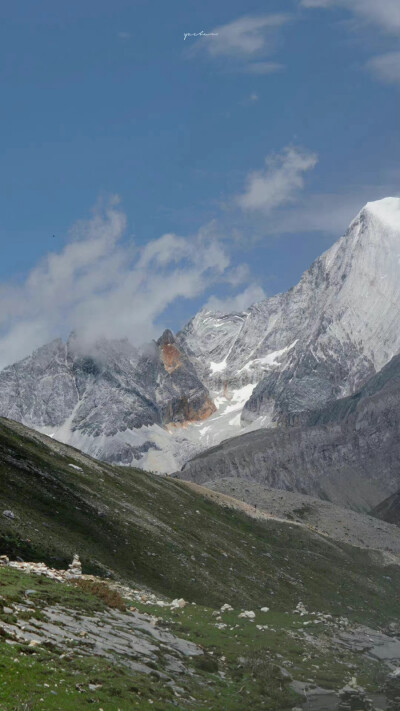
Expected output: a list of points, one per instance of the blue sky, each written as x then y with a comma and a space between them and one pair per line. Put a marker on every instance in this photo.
251, 148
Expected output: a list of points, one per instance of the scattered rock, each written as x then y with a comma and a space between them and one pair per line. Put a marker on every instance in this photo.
178, 603
249, 614
300, 609
9, 514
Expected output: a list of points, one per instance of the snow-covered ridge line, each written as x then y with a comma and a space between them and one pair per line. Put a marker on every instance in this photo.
224, 373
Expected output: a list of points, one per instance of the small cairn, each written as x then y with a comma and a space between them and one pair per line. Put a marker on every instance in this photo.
353, 698
75, 568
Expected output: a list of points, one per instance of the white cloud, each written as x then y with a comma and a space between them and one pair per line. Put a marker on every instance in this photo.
381, 14
247, 35
101, 285
238, 302
386, 67
247, 42
384, 14
325, 213
280, 182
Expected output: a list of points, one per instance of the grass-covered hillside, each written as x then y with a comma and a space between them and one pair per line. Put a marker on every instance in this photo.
311, 623
160, 533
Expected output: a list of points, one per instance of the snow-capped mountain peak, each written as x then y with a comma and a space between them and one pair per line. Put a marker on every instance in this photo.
225, 373
386, 210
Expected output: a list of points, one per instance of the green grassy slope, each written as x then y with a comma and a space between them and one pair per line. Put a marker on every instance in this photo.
242, 664
159, 533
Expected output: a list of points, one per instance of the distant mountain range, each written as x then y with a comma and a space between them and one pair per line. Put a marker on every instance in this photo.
226, 374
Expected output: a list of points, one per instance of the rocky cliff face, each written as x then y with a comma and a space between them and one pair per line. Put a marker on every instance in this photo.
348, 452
320, 340
224, 374
93, 400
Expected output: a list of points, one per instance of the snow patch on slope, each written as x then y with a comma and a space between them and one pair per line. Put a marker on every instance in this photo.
270, 359
179, 444
218, 367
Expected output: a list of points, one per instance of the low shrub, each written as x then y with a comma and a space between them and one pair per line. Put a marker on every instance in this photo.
103, 592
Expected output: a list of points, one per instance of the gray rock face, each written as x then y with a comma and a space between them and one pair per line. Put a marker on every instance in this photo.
40, 389
268, 366
320, 340
114, 389
347, 452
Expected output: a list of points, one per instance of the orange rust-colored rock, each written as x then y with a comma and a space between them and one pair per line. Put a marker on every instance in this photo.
192, 414
208, 408
194, 406
171, 357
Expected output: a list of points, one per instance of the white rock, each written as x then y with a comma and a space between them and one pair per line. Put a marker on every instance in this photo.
249, 614
178, 603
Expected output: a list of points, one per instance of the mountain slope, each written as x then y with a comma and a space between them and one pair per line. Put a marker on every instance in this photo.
99, 401
339, 524
389, 509
291, 353
348, 452
321, 339
161, 533
305, 615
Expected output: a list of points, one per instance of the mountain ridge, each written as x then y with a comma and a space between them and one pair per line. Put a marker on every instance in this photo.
224, 374
348, 452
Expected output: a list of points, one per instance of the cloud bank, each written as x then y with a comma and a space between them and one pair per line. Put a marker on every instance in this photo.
100, 284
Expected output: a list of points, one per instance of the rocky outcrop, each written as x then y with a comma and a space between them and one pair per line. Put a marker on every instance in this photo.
181, 396
91, 400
